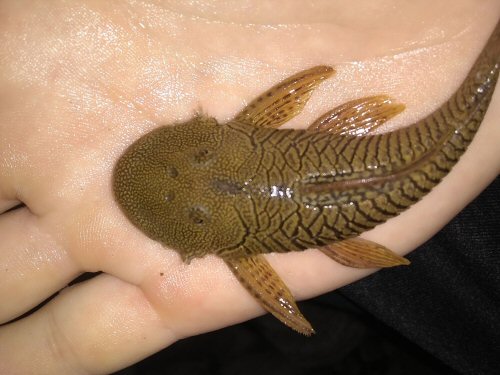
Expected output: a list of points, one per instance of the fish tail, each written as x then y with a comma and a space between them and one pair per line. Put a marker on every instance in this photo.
440, 139
397, 169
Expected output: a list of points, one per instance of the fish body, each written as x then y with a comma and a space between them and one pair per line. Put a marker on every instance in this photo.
245, 187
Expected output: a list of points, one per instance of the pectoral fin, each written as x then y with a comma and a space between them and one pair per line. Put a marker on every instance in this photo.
358, 117
285, 100
263, 283
360, 253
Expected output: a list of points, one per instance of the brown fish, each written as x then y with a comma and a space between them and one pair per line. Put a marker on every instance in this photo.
245, 188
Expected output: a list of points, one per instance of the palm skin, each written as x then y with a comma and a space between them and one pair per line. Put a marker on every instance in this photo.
81, 81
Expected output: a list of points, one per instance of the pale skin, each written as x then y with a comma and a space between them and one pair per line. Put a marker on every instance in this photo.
82, 81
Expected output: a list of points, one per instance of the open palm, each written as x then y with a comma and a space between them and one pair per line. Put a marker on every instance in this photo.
82, 81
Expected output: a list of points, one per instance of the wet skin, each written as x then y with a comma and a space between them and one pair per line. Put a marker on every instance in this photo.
244, 188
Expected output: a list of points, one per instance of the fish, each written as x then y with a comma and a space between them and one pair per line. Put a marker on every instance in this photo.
245, 188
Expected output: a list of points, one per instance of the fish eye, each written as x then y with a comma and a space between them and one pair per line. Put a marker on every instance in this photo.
202, 155
198, 215
171, 171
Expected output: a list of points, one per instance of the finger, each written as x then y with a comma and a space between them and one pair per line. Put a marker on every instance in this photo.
105, 324
33, 265
97, 327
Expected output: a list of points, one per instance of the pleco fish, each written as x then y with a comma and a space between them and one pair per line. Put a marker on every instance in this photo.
245, 188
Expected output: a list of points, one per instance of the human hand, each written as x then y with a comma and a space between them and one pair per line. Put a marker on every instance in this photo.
81, 81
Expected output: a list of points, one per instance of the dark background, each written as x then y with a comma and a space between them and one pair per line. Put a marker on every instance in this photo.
438, 316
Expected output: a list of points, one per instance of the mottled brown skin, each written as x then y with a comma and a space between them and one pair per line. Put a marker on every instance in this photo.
244, 188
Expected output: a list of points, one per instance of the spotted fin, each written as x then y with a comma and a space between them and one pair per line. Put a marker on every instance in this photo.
285, 100
263, 283
360, 253
358, 117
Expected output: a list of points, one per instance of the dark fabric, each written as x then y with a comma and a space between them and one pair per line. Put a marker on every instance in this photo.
348, 342
447, 303
448, 300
